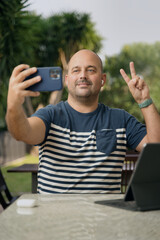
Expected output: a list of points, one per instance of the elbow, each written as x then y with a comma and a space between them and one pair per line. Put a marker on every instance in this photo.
15, 136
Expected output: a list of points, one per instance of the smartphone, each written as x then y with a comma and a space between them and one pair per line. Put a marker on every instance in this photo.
51, 79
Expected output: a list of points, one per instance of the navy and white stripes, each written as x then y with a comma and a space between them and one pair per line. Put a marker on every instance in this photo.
70, 162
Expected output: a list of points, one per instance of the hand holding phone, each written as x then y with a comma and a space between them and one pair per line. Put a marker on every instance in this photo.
51, 79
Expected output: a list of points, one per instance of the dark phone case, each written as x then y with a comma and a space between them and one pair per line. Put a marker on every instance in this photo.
51, 79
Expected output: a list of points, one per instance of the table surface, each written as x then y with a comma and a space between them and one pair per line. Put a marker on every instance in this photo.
77, 217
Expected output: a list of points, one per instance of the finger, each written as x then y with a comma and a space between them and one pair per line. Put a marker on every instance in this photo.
140, 84
125, 76
24, 74
28, 93
30, 82
18, 69
132, 69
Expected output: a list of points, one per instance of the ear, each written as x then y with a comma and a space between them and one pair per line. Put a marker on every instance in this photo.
104, 78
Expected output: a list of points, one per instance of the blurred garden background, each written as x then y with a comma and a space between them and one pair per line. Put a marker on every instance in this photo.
26, 37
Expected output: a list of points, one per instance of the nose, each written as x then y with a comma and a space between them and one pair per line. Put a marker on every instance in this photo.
83, 74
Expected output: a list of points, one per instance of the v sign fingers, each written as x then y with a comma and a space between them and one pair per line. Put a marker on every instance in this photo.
136, 85
125, 76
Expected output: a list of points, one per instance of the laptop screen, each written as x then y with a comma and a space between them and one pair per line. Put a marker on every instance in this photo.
144, 186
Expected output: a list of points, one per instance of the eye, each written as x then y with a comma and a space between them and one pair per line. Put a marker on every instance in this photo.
91, 70
75, 70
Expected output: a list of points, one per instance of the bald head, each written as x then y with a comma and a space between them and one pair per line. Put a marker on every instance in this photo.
85, 53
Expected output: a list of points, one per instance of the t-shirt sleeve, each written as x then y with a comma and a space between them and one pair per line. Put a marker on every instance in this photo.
46, 115
135, 131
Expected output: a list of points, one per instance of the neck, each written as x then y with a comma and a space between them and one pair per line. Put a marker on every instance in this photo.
83, 105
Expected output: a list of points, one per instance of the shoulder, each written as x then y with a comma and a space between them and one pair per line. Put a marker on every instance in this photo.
113, 111
115, 116
48, 112
51, 108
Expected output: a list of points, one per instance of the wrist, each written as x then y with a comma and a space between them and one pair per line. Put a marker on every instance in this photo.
145, 103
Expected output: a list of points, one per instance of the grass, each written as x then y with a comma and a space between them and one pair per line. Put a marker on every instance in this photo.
19, 182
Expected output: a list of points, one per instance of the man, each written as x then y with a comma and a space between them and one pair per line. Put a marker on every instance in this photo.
82, 143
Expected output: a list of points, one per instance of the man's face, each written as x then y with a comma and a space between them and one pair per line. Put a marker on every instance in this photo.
85, 76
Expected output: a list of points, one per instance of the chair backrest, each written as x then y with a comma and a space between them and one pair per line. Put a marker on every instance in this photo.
5, 196
128, 168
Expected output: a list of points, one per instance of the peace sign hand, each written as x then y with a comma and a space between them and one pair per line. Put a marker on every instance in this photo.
137, 86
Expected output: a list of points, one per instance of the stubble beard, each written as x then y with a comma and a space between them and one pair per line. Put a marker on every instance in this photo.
87, 98
79, 95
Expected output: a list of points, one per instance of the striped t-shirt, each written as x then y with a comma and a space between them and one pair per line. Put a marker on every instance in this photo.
84, 152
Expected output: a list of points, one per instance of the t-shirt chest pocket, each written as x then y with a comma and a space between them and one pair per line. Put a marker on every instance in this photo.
106, 140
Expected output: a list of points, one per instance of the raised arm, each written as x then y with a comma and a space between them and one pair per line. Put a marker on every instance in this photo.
140, 93
29, 130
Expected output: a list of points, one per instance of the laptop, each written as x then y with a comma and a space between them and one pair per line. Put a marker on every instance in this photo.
143, 191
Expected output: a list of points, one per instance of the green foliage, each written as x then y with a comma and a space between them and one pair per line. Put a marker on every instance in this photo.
28, 38
8, 24
147, 63
17, 43
69, 32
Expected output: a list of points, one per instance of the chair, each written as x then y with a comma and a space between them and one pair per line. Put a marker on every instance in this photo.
5, 196
128, 168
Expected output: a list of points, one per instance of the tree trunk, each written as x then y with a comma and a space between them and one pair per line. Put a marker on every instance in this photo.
55, 97
29, 106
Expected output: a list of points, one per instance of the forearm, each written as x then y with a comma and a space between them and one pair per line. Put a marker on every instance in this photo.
141, 94
17, 123
152, 121
21, 127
